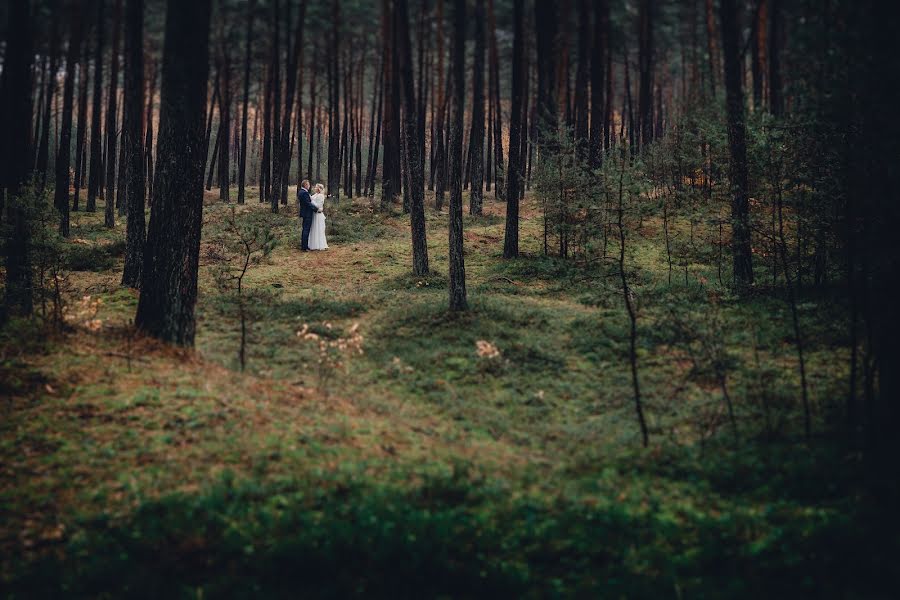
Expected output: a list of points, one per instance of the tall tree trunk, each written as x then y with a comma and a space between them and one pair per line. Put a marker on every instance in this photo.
224, 137
94, 176
499, 191
757, 35
334, 110
476, 144
43, 154
16, 157
391, 183
414, 163
81, 132
133, 109
581, 77
169, 274
545, 19
645, 73
740, 203
711, 48
598, 81
313, 107
295, 58
148, 137
64, 151
242, 172
375, 144
457, 286
776, 100
273, 169
111, 119
514, 172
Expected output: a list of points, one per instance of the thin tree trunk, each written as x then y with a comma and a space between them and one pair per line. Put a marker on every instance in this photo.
133, 110
514, 172
645, 73
776, 101
94, 176
334, 110
148, 125
81, 135
476, 152
582, 74
457, 284
64, 156
43, 154
111, 119
499, 192
242, 172
598, 80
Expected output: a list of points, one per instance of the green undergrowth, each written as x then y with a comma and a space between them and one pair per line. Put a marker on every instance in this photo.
676, 525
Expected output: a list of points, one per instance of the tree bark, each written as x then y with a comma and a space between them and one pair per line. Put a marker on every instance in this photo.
16, 157
94, 176
457, 286
582, 74
476, 144
391, 183
133, 109
494, 55
414, 163
334, 108
598, 81
64, 151
645, 73
43, 155
111, 120
148, 137
242, 169
514, 172
776, 100
81, 132
740, 203
284, 148
545, 18
169, 274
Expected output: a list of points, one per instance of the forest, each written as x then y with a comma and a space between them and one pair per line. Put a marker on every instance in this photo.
607, 306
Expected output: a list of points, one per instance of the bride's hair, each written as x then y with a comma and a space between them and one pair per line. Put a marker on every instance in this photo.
320, 188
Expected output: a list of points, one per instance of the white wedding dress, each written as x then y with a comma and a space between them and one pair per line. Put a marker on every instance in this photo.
317, 232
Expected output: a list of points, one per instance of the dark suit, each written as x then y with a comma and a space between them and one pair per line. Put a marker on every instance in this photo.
307, 211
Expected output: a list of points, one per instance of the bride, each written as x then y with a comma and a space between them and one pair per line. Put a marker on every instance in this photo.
317, 233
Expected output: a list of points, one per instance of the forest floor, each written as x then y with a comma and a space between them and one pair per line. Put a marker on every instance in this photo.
134, 466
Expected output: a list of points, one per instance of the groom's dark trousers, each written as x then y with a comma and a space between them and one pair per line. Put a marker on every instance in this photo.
307, 212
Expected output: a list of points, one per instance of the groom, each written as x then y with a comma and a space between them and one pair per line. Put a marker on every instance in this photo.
307, 212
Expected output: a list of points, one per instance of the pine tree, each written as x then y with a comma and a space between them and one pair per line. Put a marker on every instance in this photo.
171, 260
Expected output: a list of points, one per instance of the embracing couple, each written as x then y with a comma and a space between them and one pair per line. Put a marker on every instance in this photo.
313, 230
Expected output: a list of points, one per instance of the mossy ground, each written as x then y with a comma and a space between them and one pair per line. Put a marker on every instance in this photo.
105, 431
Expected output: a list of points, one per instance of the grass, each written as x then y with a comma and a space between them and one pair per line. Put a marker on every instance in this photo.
134, 468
